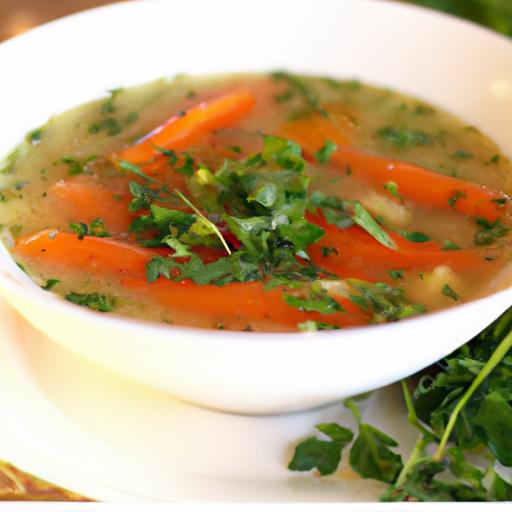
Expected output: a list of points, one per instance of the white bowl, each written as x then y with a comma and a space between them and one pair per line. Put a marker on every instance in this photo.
451, 63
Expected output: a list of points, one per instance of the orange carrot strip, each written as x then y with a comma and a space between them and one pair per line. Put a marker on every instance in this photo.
103, 256
179, 132
83, 200
414, 182
246, 300
358, 253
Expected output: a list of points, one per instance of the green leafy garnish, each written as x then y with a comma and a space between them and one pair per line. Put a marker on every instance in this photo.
403, 137
462, 154
450, 292
387, 303
363, 218
95, 228
93, 301
455, 197
489, 232
34, 137
316, 301
324, 455
392, 188
415, 236
108, 106
313, 326
323, 155
450, 246
298, 87
345, 213
50, 283
463, 415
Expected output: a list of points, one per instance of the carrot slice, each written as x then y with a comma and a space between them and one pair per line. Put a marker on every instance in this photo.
414, 182
83, 200
359, 254
103, 256
179, 132
241, 300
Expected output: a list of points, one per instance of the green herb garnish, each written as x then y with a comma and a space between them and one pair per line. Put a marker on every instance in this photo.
403, 137
93, 301
415, 236
450, 292
323, 155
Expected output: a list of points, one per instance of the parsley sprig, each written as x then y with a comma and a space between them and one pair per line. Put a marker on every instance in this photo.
461, 410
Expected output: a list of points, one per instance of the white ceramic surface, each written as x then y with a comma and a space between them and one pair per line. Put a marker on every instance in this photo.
106, 437
453, 64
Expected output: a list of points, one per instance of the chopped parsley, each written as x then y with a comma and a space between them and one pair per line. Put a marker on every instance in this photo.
396, 274
386, 302
76, 166
392, 188
450, 292
458, 194
318, 301
108, 107
313, 326
448, 245
462, 154
34, 137
415, 236
95, 228
489, 232
404, 138
94, 301
298, 87
323, 155
50, 283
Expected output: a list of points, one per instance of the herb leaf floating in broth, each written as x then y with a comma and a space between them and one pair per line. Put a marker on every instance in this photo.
94, 301
266, 204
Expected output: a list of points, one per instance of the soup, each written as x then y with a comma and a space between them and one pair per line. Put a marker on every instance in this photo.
260, 203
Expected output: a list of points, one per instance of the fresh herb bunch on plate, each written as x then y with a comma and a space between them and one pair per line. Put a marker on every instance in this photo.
462, 411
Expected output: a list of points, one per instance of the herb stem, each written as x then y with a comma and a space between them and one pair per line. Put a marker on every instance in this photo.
414, 458
210, 225
350, 404
493, 361
411, 411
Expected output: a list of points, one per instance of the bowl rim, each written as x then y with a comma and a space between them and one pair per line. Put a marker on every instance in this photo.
34, 293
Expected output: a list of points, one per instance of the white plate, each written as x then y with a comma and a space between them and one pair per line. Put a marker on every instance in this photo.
82, 427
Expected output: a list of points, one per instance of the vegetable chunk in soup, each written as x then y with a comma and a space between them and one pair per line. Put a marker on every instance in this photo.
260, 203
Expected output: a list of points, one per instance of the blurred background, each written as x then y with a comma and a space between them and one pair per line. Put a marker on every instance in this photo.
17, 16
